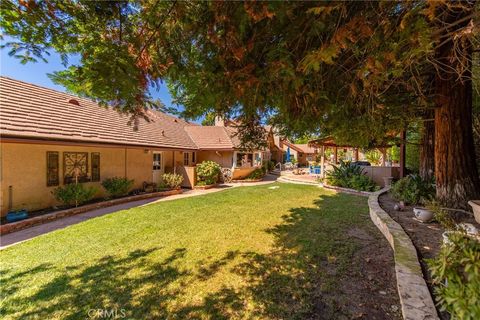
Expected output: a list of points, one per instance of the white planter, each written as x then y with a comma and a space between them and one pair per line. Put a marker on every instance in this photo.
423, 214
475, 204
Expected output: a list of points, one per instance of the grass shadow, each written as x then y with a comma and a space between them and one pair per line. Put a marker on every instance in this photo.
297, 279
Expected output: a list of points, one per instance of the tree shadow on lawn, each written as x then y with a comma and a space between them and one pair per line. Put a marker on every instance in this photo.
298, 279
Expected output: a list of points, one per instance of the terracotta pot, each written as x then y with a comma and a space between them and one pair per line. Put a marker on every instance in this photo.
423, 214
475, 204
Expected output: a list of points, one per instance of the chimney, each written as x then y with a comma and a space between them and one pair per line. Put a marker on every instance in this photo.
219, 122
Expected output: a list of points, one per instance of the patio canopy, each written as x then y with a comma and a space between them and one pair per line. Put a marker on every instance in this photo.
330, 142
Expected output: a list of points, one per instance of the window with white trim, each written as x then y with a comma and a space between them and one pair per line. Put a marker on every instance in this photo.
157, 161
186, 159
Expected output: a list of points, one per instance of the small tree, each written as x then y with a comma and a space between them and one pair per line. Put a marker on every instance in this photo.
74, 194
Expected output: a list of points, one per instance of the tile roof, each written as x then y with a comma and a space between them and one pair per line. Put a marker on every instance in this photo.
31, 111
305, 148
211, 137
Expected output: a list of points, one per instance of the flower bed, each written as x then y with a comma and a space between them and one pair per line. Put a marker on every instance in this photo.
347, 190
247, 180
426, 237
205, 186
19, 225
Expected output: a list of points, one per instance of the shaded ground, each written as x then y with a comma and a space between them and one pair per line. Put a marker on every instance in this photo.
426, 237
294, 252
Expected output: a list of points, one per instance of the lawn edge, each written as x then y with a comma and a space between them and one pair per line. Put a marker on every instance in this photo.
34, 221
415, 298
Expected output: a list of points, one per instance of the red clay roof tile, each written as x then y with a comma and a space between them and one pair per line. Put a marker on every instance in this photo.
31, 111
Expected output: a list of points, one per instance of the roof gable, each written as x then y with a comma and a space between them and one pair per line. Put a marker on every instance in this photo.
31, 111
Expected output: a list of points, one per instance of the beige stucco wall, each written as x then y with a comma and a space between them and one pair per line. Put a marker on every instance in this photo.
242, 173
377, 173
224, 158
23, 166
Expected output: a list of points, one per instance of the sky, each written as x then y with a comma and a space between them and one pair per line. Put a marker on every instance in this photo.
36, 73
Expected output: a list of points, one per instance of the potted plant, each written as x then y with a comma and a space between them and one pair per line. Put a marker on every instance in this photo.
423, 214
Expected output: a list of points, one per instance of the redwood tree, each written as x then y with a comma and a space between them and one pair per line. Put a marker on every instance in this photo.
455, 168
427, 148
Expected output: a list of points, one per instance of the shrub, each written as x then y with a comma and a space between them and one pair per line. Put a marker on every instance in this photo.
208, 171
456, 277
373, 156
117, 186
268, 165
349, 175
341, 175
255, 174
362, 183
441, 215
74, 194
413, 190
172, 180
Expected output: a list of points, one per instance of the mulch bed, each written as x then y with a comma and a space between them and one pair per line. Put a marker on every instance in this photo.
426, 237
44, 216
371, 285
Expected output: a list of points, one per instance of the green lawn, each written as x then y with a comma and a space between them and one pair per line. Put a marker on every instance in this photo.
248, 252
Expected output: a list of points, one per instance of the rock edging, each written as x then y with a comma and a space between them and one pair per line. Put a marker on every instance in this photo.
247, 180
205, 186
348, 190
30, 222
415, 298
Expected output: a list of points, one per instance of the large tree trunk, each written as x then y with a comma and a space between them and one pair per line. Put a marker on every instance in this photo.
476, 138
455, 169
427, 148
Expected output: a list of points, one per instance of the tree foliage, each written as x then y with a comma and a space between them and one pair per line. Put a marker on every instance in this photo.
360, 71
276, 60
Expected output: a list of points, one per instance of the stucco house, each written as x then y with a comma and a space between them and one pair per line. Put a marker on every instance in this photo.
46, 133
302, 153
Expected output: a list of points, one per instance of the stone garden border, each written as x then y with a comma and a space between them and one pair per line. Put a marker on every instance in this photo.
415, 298
22, 224
206, 186
348, 190
247, 180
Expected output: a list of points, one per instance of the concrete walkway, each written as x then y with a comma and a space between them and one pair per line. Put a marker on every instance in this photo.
32, 232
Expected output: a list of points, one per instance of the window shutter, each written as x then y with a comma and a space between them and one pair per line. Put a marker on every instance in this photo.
52, 169
95, 166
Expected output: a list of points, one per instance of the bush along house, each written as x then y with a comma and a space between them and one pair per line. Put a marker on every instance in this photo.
51, 139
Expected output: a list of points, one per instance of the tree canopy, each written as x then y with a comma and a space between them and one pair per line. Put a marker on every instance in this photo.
359, 70
302, 65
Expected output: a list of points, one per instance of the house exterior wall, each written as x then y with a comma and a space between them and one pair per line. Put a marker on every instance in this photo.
189, 176
223, 158
174, 162
24, 167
